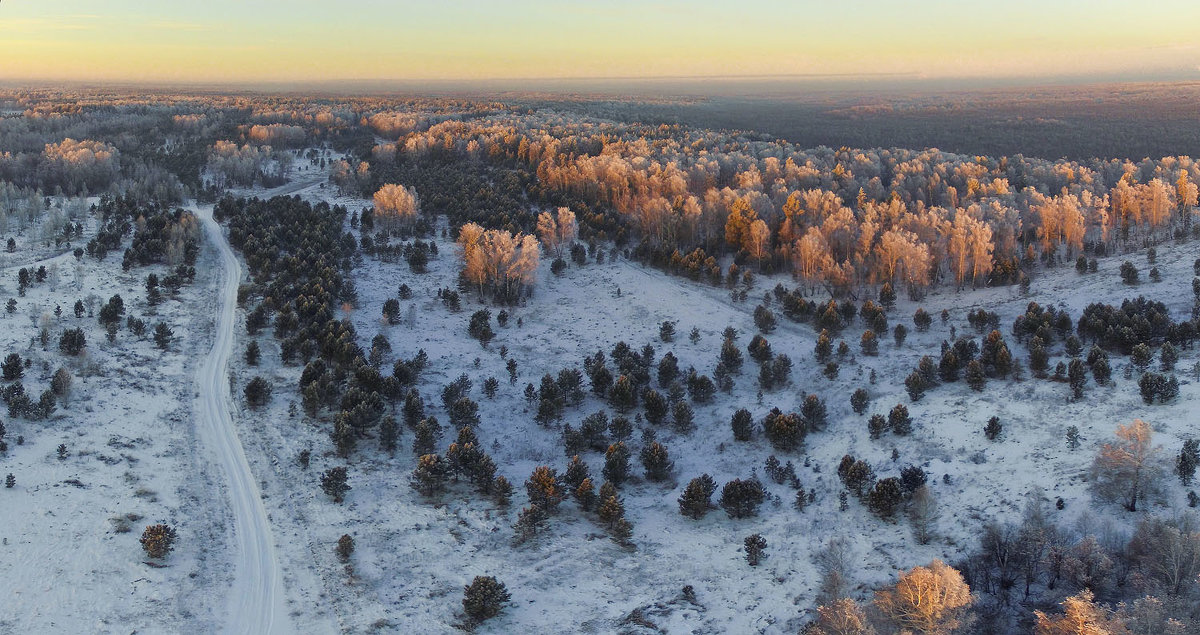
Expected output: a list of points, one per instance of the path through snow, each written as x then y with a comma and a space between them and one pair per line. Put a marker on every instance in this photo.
256, 601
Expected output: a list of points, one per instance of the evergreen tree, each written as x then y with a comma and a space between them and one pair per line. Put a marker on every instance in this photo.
682, 416
335, 483
252, 353
975, 377
859, 401
824, 347
163, 335
484, 598
616, 463
756, 547
885, 497
899, 420
1187, 461
585, 495
742, 424
740, 499
624, 395
544, 489
257, 392
12, 368
655, 406
992, 429
813, 412
731, 357
877, 425
1077, 378
388, 433
696, 499
870, 343
914, 384
656, 461
429, 476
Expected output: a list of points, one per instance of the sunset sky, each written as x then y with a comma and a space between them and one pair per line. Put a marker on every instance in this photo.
288, 40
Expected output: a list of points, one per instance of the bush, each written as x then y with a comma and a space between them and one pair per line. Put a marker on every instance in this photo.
345, 548
158, 540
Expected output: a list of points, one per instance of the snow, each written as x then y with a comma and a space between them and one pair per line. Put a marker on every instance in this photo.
414, 555
256, 600
257, 536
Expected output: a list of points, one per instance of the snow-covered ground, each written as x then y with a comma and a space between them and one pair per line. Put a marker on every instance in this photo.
70, 561
256, 598
136, 450
414, 555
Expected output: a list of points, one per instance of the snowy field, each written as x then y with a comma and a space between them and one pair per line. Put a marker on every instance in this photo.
70, 561
414, 555
67, 564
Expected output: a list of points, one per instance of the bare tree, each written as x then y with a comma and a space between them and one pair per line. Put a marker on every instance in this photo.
841, 617
926, 600
923, 514
833, 561
1080, 616
1127, 469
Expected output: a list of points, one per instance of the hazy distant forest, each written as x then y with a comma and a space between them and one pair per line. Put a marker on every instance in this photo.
841, 197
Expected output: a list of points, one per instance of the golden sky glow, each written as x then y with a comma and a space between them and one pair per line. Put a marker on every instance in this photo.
227, 40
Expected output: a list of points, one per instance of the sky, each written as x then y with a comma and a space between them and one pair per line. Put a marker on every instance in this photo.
310, 40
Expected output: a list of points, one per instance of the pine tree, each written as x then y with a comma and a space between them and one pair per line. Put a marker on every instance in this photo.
992, 429
682, 416
813, 412
756, 547
1072, 438
544, 489
1077, 378
616, 463
611, 510
899, 420
914, 384
484, 598
656, 461
577, 472
742, 424
975, 377
252, 353
824, 347
860, 400
655, 406
877, 425
429, 477
885, 497
1188, 460
335, 483
870, 343
740, 499
585, 495
163, 335
623, 395
696, 499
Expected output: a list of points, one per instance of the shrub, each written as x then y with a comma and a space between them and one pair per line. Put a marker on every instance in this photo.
158, 540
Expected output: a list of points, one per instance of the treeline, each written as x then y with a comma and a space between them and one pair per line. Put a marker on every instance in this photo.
841, 218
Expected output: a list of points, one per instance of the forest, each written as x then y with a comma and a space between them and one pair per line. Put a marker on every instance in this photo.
512, 326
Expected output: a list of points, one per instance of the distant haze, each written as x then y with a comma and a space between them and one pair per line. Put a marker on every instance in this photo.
272, 42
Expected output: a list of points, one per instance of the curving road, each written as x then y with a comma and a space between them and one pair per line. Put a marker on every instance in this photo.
256, 602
